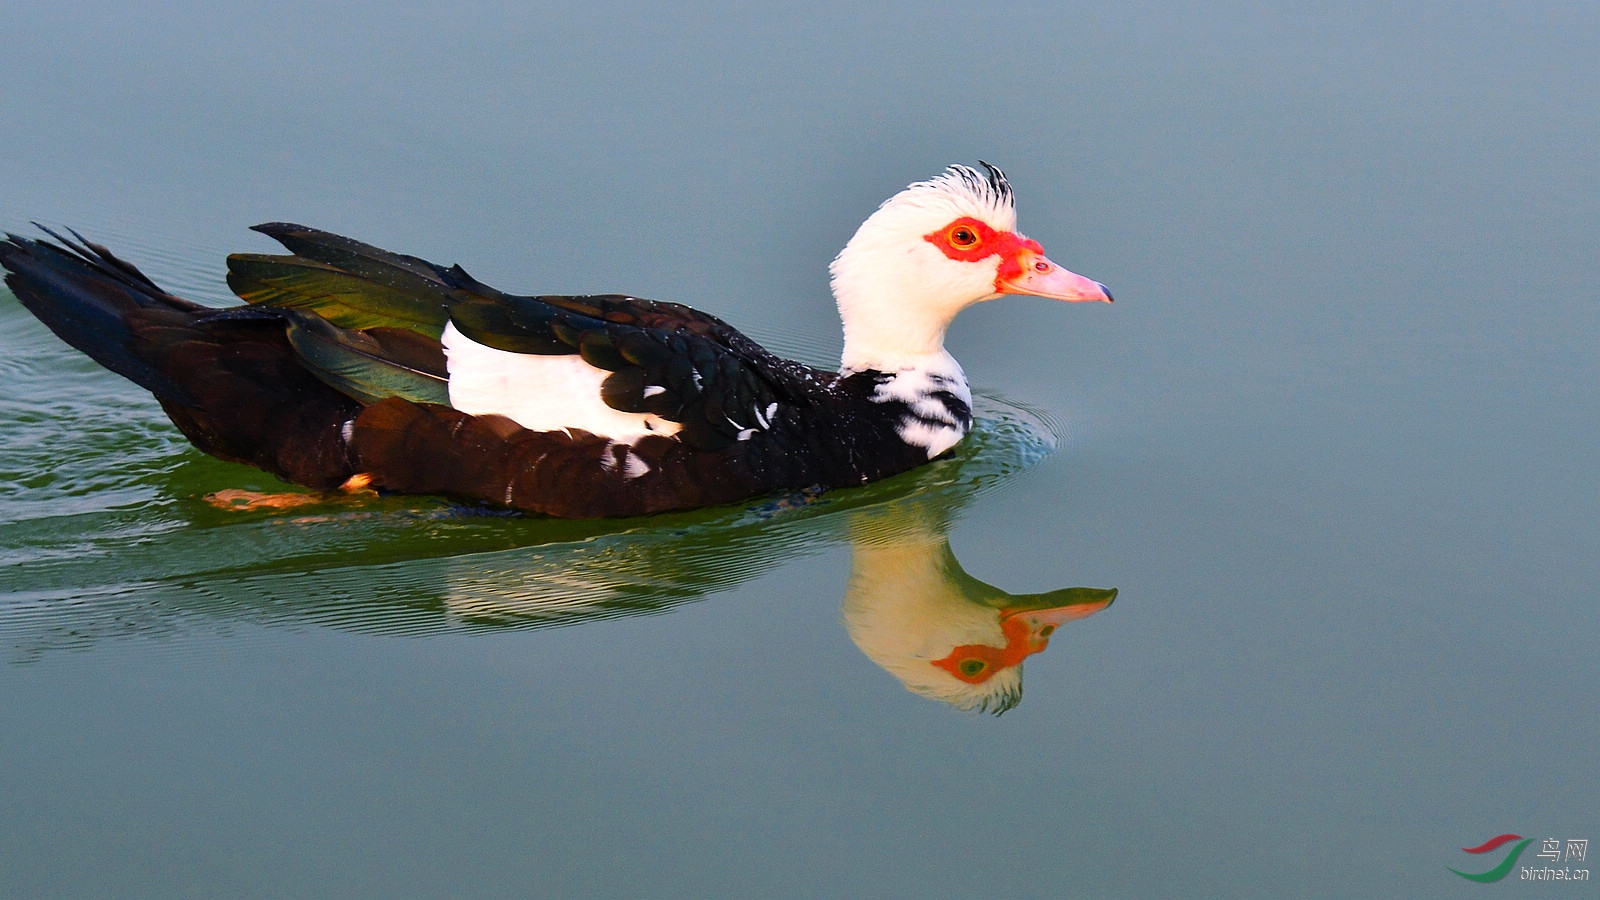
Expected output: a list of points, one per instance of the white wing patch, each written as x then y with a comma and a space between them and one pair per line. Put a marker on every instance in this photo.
541, 393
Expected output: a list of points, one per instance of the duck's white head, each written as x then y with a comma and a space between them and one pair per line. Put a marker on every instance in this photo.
929, 252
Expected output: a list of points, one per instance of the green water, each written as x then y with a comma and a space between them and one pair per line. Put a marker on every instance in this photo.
1334, 448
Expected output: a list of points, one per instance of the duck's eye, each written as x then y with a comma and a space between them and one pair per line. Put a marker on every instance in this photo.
971, 667
962, 237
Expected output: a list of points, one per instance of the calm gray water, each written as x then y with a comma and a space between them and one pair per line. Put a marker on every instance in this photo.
1335, 449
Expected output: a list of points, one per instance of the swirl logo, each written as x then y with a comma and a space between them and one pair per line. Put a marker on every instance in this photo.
1504, 868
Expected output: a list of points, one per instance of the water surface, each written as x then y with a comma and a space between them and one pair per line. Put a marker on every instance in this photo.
1334, 449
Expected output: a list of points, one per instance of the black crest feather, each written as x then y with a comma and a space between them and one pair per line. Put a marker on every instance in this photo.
991, 184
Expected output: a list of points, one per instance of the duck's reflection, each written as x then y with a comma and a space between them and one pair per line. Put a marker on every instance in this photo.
908, 604
913, 610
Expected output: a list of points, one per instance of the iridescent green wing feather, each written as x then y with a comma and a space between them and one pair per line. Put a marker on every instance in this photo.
365, 365
351, 284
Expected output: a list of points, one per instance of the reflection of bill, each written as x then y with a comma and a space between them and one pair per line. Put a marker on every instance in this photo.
912, 609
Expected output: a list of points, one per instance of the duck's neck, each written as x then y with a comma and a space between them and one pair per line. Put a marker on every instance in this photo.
887, 343
888, 332
891, 327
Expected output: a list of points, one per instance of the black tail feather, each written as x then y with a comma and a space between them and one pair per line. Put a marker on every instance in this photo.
104, 261
88, 297
233, 384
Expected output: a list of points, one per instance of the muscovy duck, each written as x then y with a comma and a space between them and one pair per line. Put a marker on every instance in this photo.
353, 366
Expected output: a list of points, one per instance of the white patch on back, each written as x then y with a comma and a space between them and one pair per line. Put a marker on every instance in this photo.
541, 393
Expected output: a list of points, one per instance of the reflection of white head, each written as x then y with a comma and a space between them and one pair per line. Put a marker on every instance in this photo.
946, 635
904, 611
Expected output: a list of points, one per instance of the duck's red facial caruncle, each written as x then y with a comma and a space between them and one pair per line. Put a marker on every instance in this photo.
1027, 631
1023, 269
977, 663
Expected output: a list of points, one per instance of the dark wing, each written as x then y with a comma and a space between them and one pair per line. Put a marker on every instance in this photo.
357, 285
665, 359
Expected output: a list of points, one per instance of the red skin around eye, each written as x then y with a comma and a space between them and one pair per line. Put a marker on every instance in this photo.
1021, 643
1008, 244
985, 247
